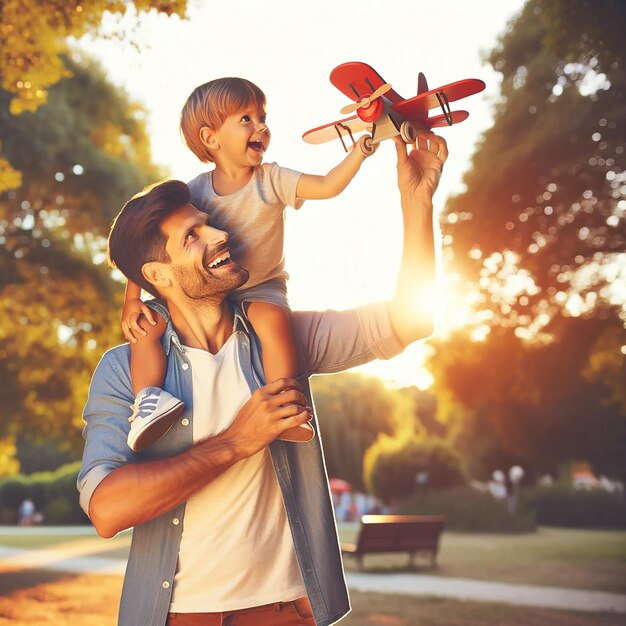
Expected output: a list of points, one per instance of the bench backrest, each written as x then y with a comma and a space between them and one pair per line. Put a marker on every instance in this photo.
391, 533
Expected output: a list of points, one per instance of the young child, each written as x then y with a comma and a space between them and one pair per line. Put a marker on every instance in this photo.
223, 122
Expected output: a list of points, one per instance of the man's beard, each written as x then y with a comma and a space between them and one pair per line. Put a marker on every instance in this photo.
200, 284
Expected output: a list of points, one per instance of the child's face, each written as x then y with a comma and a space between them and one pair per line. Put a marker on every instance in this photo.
243, 138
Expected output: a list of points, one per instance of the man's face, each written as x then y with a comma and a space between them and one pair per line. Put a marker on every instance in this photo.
200, 258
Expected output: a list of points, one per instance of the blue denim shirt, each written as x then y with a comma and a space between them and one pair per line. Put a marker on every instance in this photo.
328, 341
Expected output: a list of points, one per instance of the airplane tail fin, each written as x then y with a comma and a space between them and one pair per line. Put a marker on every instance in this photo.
422, 84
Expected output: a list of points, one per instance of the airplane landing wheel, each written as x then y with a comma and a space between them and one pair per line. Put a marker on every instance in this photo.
408, 132
366, 146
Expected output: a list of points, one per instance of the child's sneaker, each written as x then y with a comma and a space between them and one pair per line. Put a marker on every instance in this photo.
154, 413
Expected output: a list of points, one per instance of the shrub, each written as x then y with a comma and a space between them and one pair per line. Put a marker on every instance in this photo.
54, 494
12, 491
576, 508
57, 511
391, 465
468, 510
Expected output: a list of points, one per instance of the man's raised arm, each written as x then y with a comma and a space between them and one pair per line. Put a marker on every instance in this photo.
411, 310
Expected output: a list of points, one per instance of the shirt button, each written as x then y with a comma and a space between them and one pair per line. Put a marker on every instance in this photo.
185, 366
185, 422
176, 521
165, 584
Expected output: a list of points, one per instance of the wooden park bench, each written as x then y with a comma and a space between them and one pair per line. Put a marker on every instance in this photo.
415, 534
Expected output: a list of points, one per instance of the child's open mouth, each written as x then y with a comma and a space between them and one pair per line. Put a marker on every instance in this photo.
257, 146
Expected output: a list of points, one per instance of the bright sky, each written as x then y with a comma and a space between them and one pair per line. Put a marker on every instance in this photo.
345, 251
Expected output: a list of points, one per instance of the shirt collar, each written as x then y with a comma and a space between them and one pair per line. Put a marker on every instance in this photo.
240, 322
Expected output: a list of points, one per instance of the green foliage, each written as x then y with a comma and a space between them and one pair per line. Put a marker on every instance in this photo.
468, 510
576, 508
352, 410
12, 491
555, 142
42, 456
33, 55
537, 404
53, 493
391, 466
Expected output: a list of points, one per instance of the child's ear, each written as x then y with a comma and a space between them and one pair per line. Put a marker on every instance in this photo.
156, 275
208, 137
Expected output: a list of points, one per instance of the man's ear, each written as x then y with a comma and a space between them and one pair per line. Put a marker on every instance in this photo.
209, 139
156, 274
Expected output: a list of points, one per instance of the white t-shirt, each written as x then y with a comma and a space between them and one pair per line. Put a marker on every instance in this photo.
254, 217
236, 549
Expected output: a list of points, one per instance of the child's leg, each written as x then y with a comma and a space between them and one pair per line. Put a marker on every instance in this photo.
155, 410
272, 324
147, 357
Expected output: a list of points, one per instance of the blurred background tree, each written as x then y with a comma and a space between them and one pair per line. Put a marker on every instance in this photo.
352, 410
34, 35
539, 234
77, 149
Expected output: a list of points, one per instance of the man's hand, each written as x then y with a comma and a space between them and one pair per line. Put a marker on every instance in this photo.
271, 410
132, 311
420, 170
138, 492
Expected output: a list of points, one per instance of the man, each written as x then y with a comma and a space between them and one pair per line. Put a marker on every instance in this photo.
230, 524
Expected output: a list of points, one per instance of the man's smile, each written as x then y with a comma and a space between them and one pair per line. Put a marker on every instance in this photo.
220, 259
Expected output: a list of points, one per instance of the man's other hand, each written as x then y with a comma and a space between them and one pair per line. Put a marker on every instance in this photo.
271, 410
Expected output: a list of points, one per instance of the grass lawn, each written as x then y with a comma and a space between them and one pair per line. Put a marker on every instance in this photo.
581, 559
30, 541
42, 598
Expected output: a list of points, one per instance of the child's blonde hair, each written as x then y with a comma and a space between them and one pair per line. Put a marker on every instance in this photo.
210, 104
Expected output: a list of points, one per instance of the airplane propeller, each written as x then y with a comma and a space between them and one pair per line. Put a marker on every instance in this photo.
365, 102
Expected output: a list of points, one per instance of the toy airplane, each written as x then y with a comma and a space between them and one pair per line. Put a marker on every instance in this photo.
383, 112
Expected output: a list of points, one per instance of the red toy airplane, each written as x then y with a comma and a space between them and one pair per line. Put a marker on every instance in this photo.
384, 112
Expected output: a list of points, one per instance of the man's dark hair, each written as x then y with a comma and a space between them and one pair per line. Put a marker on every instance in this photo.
136, 236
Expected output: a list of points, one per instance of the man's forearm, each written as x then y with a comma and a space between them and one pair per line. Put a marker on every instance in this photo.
136, 493
412, 309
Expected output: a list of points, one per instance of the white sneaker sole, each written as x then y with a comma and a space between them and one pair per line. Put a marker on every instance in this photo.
153, 430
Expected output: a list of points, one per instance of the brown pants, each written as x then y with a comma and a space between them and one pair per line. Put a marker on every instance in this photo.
277, 614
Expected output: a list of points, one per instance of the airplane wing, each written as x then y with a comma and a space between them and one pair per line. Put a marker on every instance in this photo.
440, 120
355, 79
335, 130
416, 108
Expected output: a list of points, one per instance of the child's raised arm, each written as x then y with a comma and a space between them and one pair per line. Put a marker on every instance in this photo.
132, 311
311, 187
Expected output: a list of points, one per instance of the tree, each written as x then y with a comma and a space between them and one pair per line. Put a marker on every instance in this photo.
83, 154
537, 404
539, 236
33, 55
543, 194
352, 411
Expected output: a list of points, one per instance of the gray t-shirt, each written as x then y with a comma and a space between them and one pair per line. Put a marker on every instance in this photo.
254, 217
